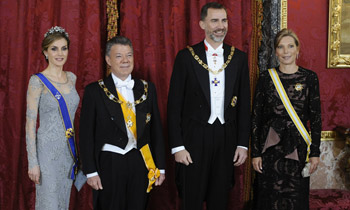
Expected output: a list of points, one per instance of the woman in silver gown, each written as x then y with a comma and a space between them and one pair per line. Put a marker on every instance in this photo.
49, 157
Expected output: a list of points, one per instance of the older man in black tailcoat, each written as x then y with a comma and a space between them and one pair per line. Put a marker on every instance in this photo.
120, 116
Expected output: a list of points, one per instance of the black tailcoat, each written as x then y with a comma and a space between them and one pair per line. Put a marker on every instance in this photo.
102, 122
189, 100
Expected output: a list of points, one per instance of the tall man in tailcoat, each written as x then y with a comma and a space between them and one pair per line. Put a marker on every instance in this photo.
209, 114
119, 116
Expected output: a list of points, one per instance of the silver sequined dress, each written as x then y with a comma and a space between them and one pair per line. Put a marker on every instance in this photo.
48, 147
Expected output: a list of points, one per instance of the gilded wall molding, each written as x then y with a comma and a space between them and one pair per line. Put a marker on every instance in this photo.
331, 136
284, 14
335, 58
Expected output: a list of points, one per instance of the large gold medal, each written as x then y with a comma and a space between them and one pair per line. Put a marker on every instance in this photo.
298, 87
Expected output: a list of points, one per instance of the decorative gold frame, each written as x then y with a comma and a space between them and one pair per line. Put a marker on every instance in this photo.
284, 14
330, 136
336, 34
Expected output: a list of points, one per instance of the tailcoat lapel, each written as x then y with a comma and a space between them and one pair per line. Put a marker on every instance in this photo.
140, 114
230, 75
114, 108
202, 73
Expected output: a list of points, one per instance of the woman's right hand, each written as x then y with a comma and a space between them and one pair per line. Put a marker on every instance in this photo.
34, 174
257, 164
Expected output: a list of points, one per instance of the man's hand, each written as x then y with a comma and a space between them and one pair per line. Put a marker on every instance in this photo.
95, 182
183, 157
241, 155
160, 180
314, 161
34, 174
257, 164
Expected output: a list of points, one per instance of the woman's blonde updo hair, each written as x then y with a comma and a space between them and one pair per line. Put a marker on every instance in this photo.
283, 33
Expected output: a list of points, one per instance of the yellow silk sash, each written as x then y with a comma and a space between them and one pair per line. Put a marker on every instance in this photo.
130, 120
129, 115
290, 109
153, 172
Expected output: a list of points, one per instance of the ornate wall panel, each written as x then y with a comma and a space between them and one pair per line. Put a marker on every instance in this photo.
309, 19
338, 34
284, 14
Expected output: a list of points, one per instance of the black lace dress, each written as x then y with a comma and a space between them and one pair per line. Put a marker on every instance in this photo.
276, 139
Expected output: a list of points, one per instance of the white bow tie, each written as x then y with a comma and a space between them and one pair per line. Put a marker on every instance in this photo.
128, 84
218, 51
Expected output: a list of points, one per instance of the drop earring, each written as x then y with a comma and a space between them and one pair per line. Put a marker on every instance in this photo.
46, 57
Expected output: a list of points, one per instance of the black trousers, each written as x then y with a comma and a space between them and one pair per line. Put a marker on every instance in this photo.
124, 181
206, 179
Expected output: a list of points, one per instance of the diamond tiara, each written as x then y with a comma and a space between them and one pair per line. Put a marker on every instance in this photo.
56, 29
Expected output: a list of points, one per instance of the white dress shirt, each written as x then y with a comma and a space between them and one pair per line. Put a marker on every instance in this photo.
128, 95
215, 60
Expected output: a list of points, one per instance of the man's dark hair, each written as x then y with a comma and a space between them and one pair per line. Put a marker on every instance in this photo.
122, 40
213, 5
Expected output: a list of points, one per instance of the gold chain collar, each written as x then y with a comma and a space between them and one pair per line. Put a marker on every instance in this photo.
117, 100
206, 66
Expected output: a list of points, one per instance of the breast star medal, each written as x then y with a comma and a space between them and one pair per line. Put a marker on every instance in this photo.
148, 118
298, 87
234, 101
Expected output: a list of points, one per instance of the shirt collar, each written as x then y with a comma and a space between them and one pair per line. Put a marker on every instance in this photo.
116, 80
211, 49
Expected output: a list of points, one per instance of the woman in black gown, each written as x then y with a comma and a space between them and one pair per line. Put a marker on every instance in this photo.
279, 151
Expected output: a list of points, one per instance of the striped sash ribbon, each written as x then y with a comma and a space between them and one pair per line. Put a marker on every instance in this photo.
290, 109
